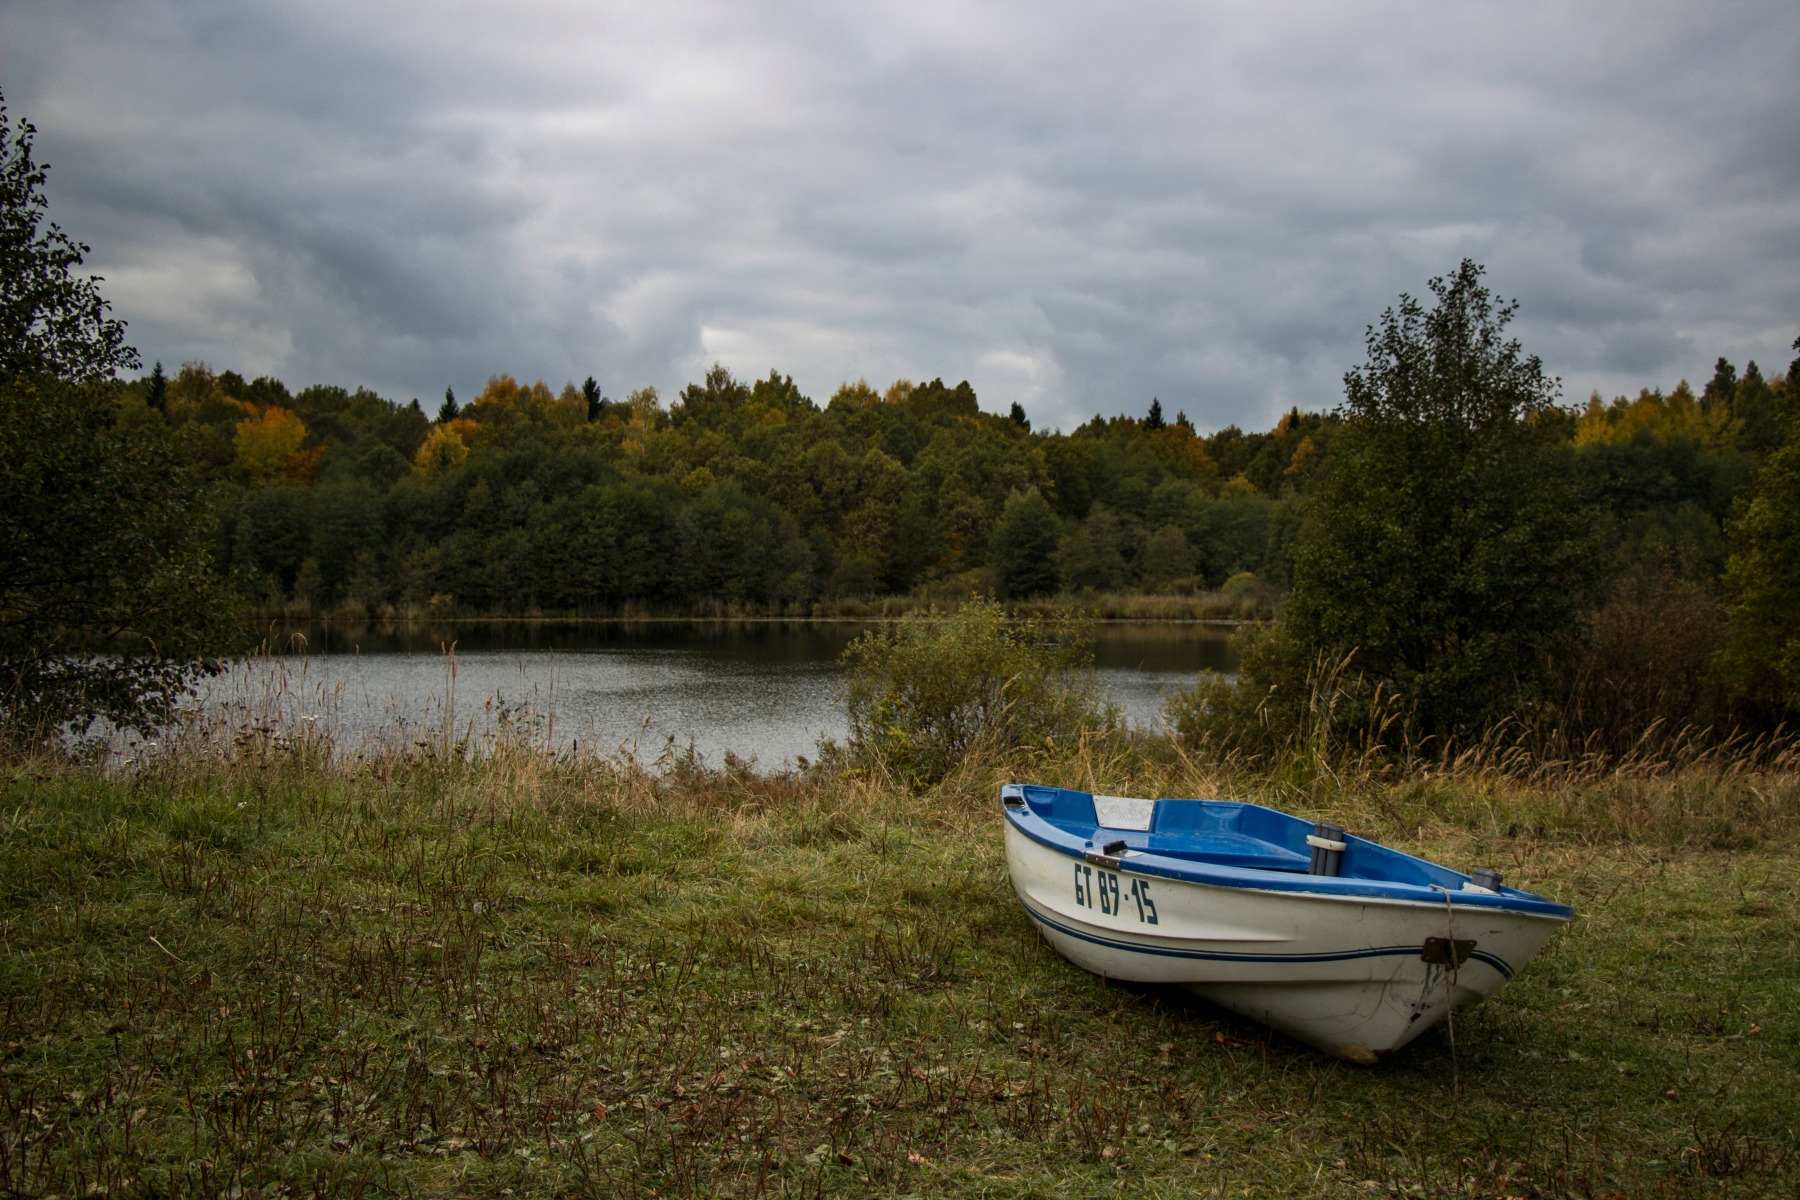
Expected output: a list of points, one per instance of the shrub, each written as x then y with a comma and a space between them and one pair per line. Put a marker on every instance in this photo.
924, 693
1248, 595
1287, 704
1643, 668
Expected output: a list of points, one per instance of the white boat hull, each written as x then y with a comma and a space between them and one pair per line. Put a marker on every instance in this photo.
1349, 975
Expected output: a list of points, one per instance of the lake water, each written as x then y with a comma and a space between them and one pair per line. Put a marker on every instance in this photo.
760, 690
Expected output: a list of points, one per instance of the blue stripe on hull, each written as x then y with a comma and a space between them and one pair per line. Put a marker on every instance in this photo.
1038, 915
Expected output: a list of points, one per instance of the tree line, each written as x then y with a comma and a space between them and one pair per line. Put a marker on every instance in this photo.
746, 493
751, 494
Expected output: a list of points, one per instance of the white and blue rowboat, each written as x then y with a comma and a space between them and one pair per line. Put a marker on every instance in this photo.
1343, 943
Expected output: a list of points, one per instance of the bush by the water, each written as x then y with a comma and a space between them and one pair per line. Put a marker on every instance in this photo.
925, 692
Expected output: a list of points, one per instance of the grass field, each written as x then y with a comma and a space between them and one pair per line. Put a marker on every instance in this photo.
257, 972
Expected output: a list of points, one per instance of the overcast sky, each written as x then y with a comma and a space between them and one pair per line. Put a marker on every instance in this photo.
1076, 206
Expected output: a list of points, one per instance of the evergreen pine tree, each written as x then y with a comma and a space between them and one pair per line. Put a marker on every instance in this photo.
1761, 660
1753, 404
1022, 546
1721, 389
156, 392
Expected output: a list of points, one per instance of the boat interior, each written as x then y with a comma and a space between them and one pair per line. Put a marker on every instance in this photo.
1219, 832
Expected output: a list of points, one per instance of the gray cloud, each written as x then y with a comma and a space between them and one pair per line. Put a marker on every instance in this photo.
1075, 207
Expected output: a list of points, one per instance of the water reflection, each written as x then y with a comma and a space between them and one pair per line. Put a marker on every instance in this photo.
758, 689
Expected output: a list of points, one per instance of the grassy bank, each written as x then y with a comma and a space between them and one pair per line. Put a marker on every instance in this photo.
261, 973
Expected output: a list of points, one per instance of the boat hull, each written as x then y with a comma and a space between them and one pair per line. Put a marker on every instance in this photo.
1356, 977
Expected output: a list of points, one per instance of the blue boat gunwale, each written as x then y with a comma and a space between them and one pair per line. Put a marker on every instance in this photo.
1066, 838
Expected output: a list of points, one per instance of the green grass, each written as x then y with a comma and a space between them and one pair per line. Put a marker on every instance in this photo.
268, 976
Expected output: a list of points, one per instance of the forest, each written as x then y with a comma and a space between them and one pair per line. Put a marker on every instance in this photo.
751, 497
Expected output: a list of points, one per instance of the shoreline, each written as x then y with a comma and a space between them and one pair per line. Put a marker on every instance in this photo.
340, 618
1212, 608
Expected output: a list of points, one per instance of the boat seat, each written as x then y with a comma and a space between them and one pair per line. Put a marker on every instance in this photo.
1228, 849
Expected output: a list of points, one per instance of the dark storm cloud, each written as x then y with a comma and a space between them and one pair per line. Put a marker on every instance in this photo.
1074, 206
